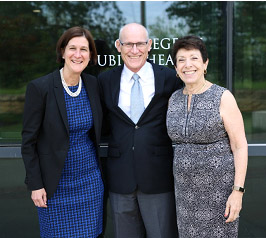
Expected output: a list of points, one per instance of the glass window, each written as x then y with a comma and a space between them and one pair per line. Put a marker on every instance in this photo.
253, 200
249, 67
33, 28
27, 45
204, 19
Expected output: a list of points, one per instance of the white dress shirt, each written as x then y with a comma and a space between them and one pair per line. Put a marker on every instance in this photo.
146, 81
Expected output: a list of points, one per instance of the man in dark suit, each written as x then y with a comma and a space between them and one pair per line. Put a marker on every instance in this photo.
140, 155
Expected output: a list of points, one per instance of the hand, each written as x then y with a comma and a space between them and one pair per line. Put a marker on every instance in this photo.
39, 197
233, 206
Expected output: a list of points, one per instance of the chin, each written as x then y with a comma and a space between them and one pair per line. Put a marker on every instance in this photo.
78, 70
137, 66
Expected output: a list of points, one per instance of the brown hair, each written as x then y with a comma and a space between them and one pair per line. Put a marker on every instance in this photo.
189, 43
75, 31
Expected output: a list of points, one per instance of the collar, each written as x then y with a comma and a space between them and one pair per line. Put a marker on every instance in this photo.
127, 73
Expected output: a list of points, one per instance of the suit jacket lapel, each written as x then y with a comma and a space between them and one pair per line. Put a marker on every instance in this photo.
116, 78
60, 98
91, 91
115, 89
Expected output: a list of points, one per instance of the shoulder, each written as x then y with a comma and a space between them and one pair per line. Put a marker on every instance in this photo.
169, 75
229, 109
104, 74
39, 88
176, 98
223, 92
217, 91
228, 102
177, 93
42, 83
170, 72
43, 79
219, 88
227, 97
108, 73
163, 68
90, 81
88, 77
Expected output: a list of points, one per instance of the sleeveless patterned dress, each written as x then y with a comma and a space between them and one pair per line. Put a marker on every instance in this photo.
203, 165
76, 209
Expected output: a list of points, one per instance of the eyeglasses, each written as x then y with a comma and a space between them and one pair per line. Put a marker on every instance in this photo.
130, 45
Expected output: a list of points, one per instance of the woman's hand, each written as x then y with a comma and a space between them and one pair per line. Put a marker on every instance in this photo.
39, 197
233, 206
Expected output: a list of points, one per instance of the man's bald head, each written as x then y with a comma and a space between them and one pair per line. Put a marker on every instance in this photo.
132, 27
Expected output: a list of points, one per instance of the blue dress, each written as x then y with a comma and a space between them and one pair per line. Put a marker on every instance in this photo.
76, 208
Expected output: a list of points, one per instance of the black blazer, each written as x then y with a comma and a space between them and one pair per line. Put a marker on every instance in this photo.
45, 134
139, 155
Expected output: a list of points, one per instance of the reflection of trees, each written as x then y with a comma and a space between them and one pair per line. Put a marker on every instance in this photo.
163, 28
250, 42
20, 43
206, 20
28, 40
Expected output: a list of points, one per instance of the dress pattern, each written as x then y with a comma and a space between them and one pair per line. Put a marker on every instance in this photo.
203, 165
76, 209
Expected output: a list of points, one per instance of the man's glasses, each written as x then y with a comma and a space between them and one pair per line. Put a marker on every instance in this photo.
130, 45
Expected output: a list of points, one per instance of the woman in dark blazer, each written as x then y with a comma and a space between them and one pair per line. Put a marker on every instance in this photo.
60, 137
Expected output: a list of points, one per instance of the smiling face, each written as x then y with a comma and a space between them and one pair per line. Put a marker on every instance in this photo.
76, 55
135, 57
190, 66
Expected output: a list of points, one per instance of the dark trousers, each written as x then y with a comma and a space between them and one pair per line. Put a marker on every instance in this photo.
140, 215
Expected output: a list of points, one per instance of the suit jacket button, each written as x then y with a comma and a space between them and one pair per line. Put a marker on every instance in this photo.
133, 148
136, 127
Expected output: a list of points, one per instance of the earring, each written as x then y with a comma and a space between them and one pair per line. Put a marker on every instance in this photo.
205, 71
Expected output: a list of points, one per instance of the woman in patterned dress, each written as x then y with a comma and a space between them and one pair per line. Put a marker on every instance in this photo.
210, 156
61, 131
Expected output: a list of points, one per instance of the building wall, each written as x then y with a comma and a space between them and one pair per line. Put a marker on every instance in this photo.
234, 34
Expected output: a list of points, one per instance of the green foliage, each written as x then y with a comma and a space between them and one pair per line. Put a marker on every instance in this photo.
7, 119
10, 127
28, 42
161, 29
206, 20
13, 91
250, 44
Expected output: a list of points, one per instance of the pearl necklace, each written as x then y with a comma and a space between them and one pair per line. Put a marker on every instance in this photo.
75, 94
190, 94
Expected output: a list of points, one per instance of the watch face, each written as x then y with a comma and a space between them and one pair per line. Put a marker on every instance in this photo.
238, 189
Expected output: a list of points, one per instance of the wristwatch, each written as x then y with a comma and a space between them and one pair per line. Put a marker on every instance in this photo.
237, 188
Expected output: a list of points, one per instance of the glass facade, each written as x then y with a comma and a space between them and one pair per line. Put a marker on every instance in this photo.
249, 67
29, 34
31, 30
